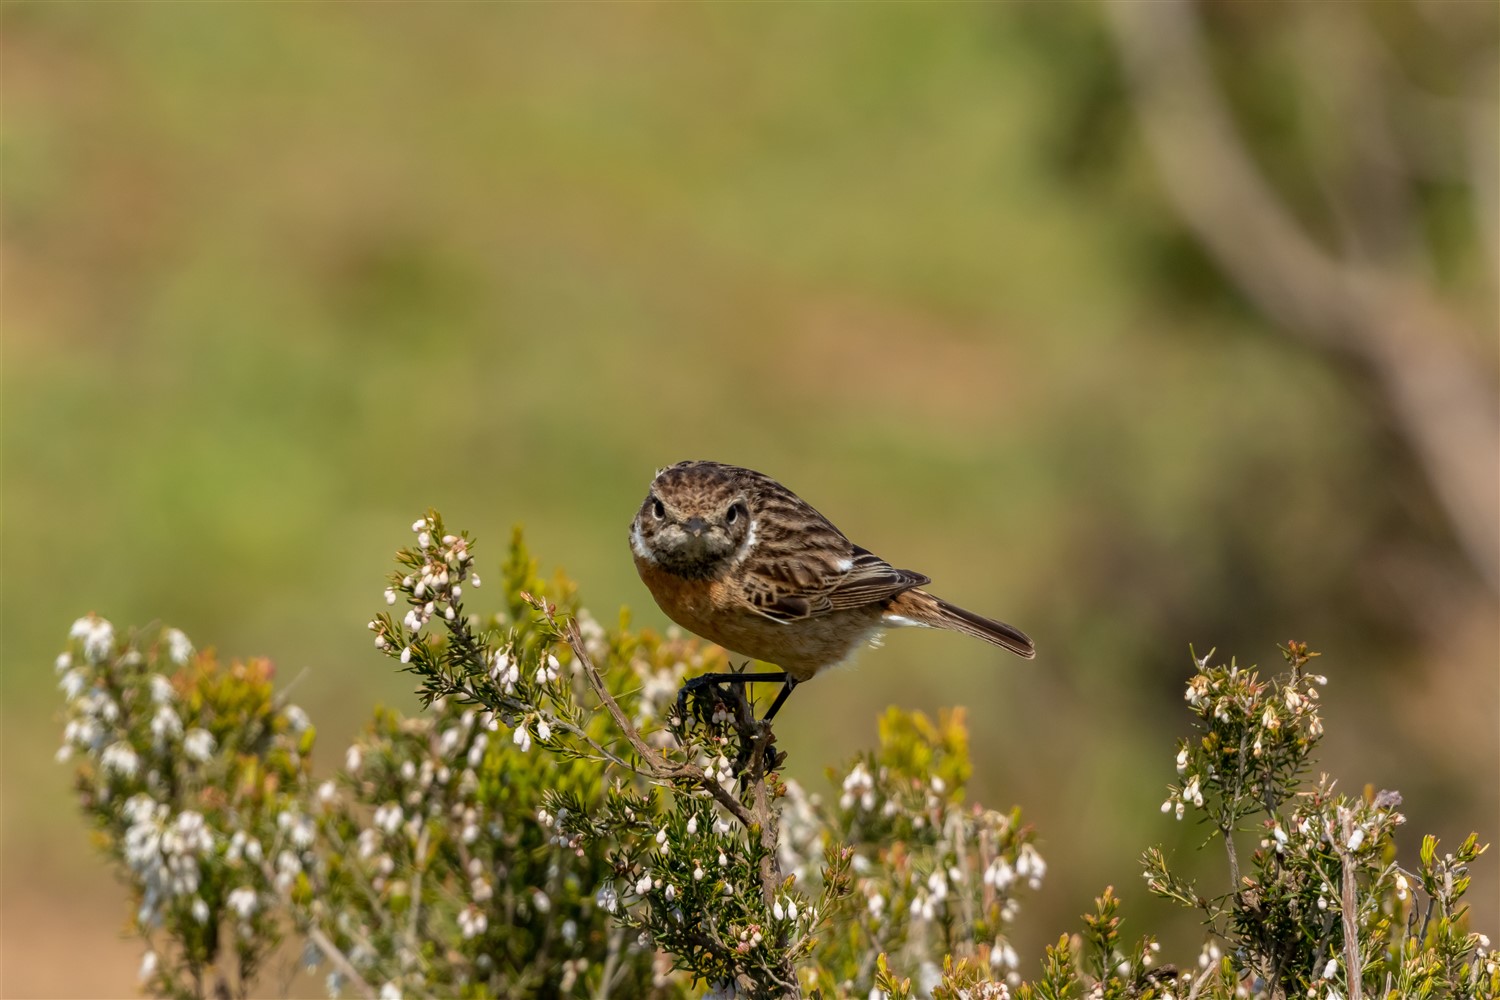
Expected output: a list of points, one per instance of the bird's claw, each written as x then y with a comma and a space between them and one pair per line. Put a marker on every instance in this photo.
727, 706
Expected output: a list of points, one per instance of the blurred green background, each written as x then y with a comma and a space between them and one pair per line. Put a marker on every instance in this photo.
279, 276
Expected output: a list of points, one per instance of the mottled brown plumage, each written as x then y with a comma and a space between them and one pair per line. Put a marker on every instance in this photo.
739, 559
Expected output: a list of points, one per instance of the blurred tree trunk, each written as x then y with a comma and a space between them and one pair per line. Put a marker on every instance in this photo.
1368, 301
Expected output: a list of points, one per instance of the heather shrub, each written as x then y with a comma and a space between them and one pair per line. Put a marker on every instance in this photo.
554, 820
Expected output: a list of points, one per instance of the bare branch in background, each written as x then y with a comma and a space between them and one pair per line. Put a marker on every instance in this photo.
1426, 359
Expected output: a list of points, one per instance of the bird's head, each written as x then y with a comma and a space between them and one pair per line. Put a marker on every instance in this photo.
696, 520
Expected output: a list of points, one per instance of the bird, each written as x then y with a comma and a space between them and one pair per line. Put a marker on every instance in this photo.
732, 555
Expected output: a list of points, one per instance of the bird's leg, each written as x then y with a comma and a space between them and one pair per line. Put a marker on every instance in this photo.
703, 680
788, 683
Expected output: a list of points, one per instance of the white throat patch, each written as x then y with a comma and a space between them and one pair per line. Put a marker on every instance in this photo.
638, 544
746, 546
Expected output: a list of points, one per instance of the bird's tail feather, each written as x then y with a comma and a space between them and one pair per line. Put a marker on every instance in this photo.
960, 620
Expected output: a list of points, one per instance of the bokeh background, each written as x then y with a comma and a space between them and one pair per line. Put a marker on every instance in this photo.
1138, 326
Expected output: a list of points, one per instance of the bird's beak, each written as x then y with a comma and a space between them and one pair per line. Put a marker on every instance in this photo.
695, 526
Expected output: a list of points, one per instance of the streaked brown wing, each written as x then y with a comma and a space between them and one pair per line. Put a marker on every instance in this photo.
872, 579
814, 583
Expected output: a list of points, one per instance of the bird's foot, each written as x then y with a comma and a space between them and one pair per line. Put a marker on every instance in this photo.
716, 701
729, 705
719, 702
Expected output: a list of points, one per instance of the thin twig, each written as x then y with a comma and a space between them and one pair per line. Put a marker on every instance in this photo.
1349, 902
1323, 940
413, 929
339, 960
471, 652
378, 909
765, 818
1426, 920
656, 764
1234, 860
561, 725
611, 960
1202, 980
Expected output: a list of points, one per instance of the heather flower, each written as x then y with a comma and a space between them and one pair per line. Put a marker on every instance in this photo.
97, 636
120, 758
179, 646
243, 901
198, 744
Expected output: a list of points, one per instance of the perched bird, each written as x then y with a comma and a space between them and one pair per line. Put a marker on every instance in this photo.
739, 559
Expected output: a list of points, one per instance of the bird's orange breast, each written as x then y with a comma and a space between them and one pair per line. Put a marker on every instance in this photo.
693, 604
716, 610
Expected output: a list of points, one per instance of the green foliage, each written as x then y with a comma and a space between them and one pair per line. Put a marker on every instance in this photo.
195, 779
1322, 908
933, 878
554, 824
447, 876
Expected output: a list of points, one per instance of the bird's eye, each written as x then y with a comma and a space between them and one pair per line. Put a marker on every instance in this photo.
736, 511
657, 510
